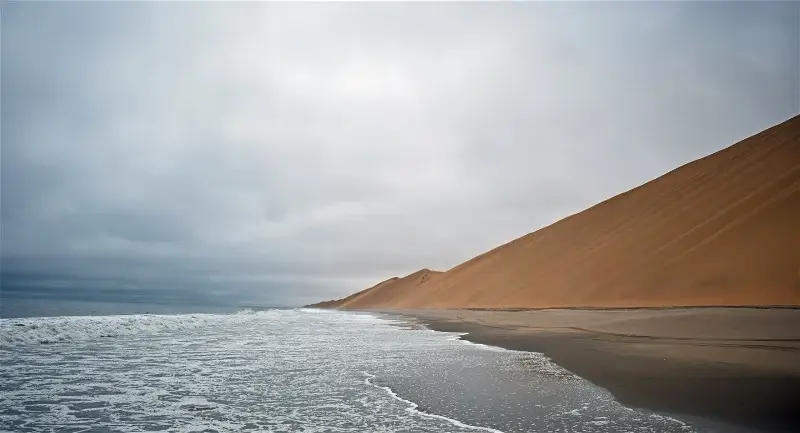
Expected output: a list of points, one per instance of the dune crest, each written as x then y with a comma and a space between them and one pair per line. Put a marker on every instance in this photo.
723, 230
390, 290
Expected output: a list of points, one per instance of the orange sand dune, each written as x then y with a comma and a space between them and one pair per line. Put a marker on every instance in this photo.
721, 230
390, 290
335, 303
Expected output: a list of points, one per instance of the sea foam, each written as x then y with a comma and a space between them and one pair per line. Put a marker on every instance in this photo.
50, 330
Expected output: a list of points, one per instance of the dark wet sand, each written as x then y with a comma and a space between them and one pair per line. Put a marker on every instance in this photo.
738, 366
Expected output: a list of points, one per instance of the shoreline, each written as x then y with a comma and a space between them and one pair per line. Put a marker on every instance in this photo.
732, 366
414, 407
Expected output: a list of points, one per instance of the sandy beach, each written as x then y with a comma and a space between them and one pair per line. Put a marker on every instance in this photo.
738, 366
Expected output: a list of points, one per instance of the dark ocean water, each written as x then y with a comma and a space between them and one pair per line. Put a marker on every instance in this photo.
285, 370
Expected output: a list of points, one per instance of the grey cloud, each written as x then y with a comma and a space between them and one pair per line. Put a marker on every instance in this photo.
275, 152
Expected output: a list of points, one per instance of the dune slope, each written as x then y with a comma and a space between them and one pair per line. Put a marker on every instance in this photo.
336, 303
721, 230
390, 290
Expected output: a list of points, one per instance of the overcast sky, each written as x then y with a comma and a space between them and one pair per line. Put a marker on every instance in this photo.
287, 153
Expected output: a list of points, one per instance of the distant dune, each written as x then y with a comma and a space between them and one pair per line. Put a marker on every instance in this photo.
336, 303
390, 290
723, 230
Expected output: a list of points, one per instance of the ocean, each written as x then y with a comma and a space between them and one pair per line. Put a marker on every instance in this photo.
286, 370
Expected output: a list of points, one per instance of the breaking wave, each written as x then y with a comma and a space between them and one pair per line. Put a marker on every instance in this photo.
51, 330
414, 408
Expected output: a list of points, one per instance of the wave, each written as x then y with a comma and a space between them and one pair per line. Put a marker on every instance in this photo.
51, 330
316, 310
536, 361
413, 408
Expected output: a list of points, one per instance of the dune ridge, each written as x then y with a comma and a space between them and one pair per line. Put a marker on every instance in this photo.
390, 290
723, 230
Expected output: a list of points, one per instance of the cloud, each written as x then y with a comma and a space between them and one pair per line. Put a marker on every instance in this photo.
277, 152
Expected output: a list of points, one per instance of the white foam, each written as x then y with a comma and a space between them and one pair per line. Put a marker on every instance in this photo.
599, 422
48, 330
536, 360
480, 345
316, 310
413, 408
277, 370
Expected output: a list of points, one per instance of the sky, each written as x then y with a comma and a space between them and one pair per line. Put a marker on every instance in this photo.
286, 153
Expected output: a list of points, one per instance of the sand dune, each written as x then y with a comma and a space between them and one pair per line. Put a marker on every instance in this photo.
721, 230
390, 290
336, 303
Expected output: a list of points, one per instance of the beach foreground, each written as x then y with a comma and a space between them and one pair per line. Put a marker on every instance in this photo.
740, 366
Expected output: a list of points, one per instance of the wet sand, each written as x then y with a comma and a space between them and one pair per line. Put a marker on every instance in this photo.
738, 366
